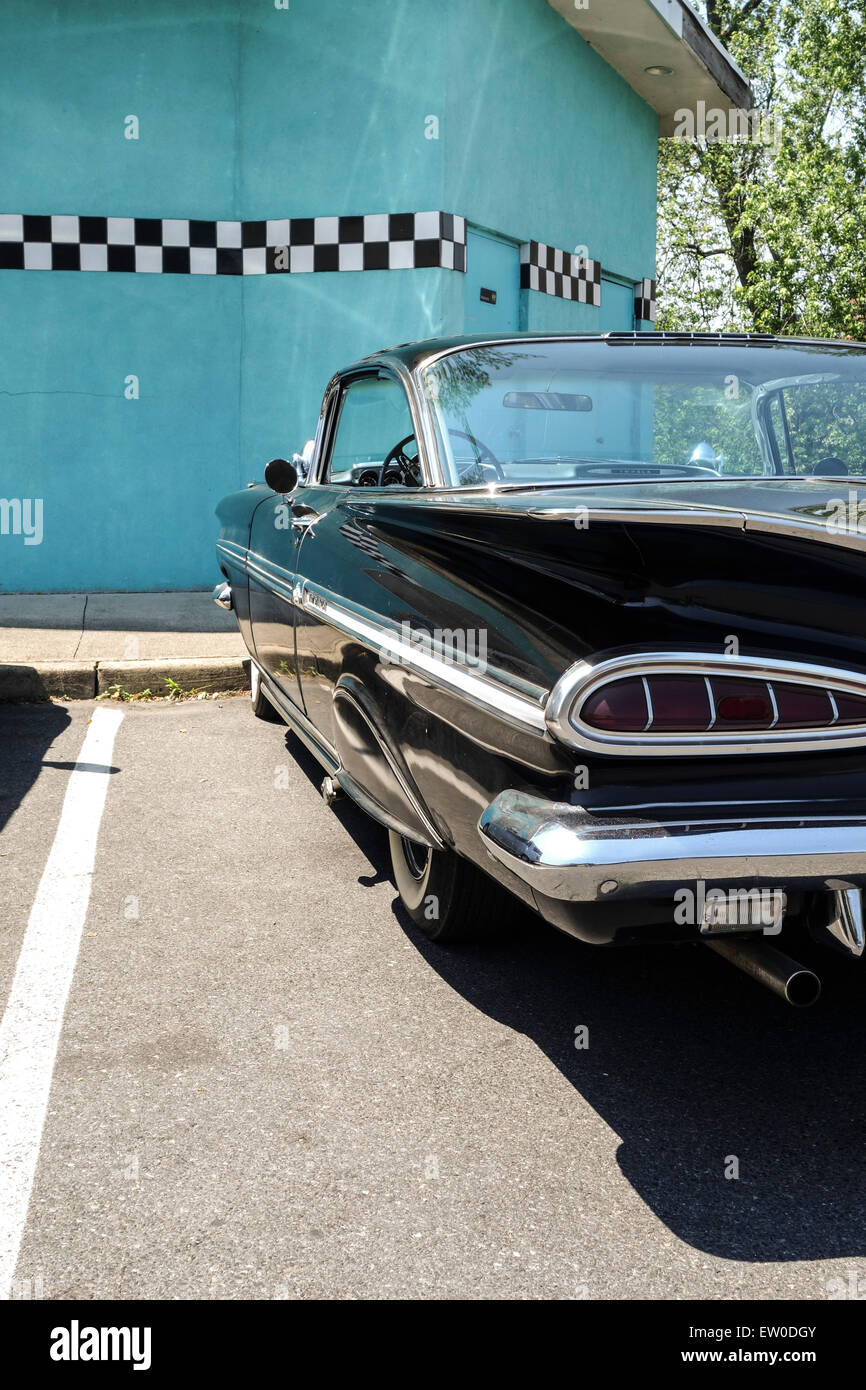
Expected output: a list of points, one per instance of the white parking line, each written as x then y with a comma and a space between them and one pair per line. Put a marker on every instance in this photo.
31, 1025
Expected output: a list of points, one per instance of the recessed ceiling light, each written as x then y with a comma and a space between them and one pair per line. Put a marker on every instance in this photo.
658, 71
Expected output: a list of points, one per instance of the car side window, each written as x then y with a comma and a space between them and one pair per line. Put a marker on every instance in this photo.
826, 424
374, 436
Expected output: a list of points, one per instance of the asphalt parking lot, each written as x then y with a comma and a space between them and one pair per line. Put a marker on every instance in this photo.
267, 1085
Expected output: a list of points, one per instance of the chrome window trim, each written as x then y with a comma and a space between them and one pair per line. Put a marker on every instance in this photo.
585, 677
327, 419
431, 468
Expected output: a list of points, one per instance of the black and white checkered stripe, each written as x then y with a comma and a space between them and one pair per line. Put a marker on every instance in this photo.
560, 273
181, 246
645, 300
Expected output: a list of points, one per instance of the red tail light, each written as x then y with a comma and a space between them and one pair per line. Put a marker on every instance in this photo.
742, 704
850, 709
621, 705
698, 704
804, 707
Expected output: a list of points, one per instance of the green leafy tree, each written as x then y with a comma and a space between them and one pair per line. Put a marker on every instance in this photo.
768, 235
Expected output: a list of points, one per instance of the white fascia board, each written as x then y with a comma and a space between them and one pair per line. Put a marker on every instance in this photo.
632, 35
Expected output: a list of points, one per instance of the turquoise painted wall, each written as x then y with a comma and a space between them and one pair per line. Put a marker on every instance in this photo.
128, 486
249, 111
300, 329
71, 70
543, 140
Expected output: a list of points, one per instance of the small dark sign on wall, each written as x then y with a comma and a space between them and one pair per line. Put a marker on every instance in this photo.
488, 296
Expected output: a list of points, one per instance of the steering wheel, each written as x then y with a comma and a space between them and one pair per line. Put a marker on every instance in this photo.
486, 457
404, 469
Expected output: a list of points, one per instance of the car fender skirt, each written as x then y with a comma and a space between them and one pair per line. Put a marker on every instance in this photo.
566, 852
369, 760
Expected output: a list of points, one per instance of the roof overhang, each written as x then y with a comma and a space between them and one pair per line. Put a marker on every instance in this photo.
633, 35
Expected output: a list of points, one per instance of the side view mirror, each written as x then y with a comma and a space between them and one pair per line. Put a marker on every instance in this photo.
281, 476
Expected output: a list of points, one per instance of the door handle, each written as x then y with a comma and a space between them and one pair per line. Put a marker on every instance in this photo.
303, 516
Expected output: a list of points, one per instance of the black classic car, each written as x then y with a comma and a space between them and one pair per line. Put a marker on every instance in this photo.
580, 620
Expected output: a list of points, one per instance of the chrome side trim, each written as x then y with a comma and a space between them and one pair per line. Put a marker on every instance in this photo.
498, 693
460, 501
761, 523
230, 550
649, 513
495, 691
581, 680
265, 572
271, 576
565, 852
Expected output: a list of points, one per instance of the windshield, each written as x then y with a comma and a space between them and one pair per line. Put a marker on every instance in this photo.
537, 412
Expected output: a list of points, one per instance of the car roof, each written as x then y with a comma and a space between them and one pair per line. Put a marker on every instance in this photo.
411, 355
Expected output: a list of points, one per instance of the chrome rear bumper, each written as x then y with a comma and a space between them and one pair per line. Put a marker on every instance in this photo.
563, 851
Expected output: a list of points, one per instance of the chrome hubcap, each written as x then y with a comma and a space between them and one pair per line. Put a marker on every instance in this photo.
417, 858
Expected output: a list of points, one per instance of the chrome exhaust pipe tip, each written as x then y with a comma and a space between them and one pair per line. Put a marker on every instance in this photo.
802, 988
794, 983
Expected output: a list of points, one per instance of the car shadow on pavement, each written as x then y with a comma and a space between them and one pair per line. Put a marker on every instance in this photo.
26, 733
693, 1066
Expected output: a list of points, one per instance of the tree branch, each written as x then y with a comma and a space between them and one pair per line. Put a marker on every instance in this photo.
697, 251
741, 15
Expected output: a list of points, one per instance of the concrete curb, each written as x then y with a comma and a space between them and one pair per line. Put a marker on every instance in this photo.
82, 680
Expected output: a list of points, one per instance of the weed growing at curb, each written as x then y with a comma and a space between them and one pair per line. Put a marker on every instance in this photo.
172, 695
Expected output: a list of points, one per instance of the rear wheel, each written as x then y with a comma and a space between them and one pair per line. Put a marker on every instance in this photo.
262, 707
446, 896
